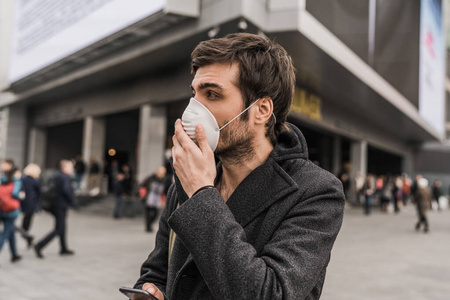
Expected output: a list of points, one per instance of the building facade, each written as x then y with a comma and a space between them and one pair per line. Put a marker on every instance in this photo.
362, 98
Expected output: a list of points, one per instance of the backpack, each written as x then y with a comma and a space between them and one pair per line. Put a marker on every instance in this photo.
48, 195
7, 202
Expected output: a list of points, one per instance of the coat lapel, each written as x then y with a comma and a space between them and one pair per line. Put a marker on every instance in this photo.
259, 190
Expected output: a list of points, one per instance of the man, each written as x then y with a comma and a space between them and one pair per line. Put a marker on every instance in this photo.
261, 223
94, 177
64, 199
437, 192
154, 196
80, 168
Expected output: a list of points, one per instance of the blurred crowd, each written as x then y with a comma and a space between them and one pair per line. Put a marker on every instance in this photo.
29, 191
392, 193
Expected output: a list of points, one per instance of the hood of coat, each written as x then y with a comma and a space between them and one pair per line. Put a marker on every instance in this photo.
291, 144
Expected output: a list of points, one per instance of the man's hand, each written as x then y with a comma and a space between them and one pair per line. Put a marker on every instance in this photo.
194, 165
152, 289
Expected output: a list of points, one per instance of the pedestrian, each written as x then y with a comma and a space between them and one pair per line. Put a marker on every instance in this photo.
406, 190
359, 185
64, 199
128, 180
119, 194
261, 223
30, 204
397, 193
423, 203
414, 185
94, 177
437, 192
10, 189
369, 190
80, 168
154, 196
344, 177
386, 194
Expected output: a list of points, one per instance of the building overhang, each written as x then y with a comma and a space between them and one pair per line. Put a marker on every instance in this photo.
173, 13
328, 68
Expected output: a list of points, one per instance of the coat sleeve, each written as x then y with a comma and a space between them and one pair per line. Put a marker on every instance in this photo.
291, 263
154, 269
17, 188
67, 191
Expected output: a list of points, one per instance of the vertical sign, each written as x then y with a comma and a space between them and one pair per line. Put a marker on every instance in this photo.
432, 64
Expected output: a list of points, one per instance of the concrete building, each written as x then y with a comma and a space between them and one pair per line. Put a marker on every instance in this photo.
361, 97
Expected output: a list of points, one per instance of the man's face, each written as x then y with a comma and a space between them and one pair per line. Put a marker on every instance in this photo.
68, 168
215, 86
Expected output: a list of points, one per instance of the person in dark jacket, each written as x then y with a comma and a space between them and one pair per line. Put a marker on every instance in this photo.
155, 194
65, 198
261, 223
118, 195
80, 169
437, 192
423, 204
32, 189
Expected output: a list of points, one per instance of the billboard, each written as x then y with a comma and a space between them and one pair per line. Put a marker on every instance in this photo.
46, 31
432, 65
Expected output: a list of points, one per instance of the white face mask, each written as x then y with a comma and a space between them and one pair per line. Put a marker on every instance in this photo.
196, 113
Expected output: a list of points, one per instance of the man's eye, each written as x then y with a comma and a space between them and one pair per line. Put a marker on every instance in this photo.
211, 95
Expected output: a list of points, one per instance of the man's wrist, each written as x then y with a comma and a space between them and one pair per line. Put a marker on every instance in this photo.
206, 187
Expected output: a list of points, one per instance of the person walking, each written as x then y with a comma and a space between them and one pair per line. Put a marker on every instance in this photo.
80, 168
369, 191
261, 222
119, 194
437, 192
10, 190
32, 189
423, 203
64, 199
154, 197
94, 176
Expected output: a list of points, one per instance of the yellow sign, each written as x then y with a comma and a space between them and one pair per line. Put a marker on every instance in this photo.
307, 104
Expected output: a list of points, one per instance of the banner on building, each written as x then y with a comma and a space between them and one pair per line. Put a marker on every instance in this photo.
47, 31
432, 64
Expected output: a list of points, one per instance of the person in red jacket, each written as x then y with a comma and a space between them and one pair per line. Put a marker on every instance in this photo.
10, 197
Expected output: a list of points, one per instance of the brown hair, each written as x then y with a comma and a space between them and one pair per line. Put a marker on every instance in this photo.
265, 70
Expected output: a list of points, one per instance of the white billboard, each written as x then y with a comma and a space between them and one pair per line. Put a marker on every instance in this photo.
432, 64
46, 31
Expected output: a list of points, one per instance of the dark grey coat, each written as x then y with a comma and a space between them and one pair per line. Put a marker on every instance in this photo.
271, 240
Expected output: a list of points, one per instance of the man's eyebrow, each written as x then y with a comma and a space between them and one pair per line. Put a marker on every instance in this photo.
205, 85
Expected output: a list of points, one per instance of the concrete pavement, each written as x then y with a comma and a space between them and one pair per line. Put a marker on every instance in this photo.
375, 257
381, 256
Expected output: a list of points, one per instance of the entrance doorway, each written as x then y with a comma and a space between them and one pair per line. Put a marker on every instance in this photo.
63, 142
121, 141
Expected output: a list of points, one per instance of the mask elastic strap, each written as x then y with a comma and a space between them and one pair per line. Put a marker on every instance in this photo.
239, 114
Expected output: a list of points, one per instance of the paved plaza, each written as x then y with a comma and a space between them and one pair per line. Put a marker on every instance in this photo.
375, 257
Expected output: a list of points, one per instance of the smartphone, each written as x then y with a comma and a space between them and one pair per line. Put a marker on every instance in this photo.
130, 292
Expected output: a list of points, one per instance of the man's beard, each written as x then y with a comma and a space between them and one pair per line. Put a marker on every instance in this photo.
236, 143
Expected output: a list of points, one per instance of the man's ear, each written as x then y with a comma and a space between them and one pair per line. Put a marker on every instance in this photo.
264, 110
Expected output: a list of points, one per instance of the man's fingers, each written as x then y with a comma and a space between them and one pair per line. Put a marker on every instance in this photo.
152, 289
200, 135
181, 135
